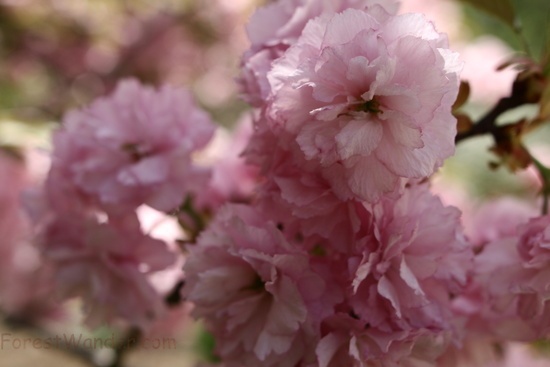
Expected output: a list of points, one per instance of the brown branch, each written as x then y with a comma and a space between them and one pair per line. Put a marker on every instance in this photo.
487, 124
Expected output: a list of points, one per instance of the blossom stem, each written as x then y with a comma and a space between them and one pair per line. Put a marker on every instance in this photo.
130, 341
544, 173
190, 219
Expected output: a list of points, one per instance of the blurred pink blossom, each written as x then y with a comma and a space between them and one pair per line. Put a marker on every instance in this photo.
508, 297
106, 263
497, 219
25, 281
131, 148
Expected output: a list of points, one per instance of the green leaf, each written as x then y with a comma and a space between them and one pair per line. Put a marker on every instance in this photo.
204, 346
502, 9
534, 16
545, 59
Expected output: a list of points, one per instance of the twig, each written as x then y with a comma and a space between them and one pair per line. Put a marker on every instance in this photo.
487, 124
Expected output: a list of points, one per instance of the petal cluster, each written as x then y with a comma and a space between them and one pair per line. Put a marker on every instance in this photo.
106, 264
260, 296
352, 111
133, 147
367, 95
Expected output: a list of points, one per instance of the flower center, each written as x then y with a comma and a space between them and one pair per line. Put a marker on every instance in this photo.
135, 151
372, 106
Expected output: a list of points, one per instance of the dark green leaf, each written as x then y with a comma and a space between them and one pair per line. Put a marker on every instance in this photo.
502, 9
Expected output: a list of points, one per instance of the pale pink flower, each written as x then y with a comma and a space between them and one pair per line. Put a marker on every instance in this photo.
509, 294
25, 282
452, 193
299, 198
277, 26
131, 148
489, 302
347, 92
410, 262
232, 179
414, 261
534, 243
352, 343
107, 265
497, 219
258, 295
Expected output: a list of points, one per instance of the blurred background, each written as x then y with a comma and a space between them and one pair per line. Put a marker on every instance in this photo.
56, 55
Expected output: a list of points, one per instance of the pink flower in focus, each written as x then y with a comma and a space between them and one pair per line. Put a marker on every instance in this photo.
131, 148
347, 92
258, 295
107, 264
275, 27
412, 261
298, 197
352, 343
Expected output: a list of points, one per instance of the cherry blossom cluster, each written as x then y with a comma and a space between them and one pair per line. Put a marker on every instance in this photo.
328, 247
130, 149
344, 257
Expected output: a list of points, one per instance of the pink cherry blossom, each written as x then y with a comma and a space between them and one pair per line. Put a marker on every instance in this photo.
497, 219
25, 282
346, 91
277, 26
509, 291
488, 303
411, 261
107, 265
258, 295
131, 148
534, 243
232, 178
351, 343
298, 197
